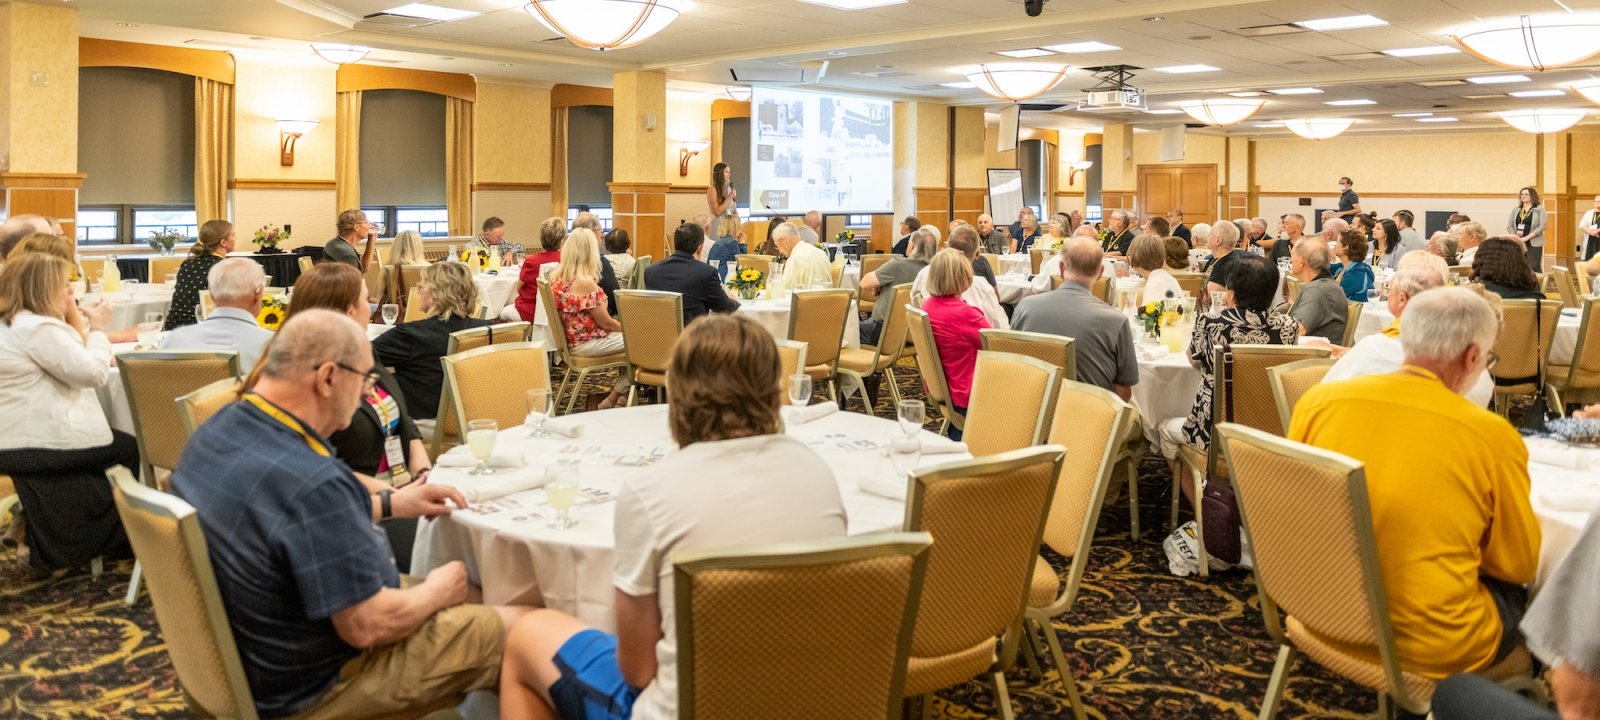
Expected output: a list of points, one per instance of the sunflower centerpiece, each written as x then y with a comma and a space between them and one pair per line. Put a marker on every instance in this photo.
479, 259
747, 281
273, 308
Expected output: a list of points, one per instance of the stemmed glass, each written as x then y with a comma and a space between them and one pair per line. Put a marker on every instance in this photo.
800, 390
391, 313
539, 400
912, 414
906, 453
561, 487
481, 435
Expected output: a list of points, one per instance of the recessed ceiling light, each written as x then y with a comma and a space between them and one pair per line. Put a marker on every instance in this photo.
1412, 115
507, 65
1269, 125
259, 38
1183, 69
1087, 46
1163, 111
1441, 83
1025, 53
1484, 97
855, 4
677, 69
1345, 103
1247, 93
959, 85
445, 57
1497, 79
1437, 119
1154, 18
429, 12
1348, 22
1421, 51
1537, 93
1296, 91
837, 53
131, 25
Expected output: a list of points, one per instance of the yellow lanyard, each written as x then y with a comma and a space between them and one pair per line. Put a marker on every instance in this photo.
276, 414
1522, 215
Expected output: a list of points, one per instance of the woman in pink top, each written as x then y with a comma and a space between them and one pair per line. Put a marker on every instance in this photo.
955, 325
590, 329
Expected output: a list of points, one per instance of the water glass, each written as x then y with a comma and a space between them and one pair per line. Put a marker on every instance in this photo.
480, 440
561, 488
539, 407
391, 313
1216, 302
155, 317
149, 335
905, 454
912, 414
800, 390
1372, 294
170, 279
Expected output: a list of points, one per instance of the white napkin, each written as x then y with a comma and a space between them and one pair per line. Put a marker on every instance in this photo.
565, 427
1550, 452
942, 446
1578, 499
484, 488
801, 416
893, 488
461, 456
1153, 352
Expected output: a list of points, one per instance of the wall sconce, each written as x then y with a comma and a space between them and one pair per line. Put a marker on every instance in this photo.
688, 149
288, 132
1077, 168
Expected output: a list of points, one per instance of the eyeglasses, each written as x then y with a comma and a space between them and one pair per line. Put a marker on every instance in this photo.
369, 378
1494, 359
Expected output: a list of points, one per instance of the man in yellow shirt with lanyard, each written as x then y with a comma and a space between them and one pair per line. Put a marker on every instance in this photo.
1457, 539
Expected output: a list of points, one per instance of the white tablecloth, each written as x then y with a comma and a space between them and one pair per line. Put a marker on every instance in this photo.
516, 559
494, 291
1167, 387
1563, 497
1011, 288
774, 316
130, 304
1014, 264
850, 279
1376, 316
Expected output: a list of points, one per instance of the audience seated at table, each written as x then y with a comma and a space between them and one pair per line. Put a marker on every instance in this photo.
684, 273
215, 241
617, 243
954, 323
1381, 352
1322, 308
552, 233
55, 442
60, 246
1148, 258
1177, 252
1254, 237
1355, 275
237, 286
1244, 320
575, 285
729, 246
767, 247
1502, 266
723, 411
13, 229
352, 228
994, 239
1444, 246
807, 265
323, 626
1469, 235
924, 243
1102, 338
979, 295
448, 299
907, 226
1056, 232
1456, 536
364, 445
1294, 227
407, 252
493, 240
1223, 242
1025, 231
980, 265
1119, 234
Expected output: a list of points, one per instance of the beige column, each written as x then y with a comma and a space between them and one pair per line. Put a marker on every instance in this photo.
1118, 179
39, 111
932, 161
639, 149
971, 186
1236, 178
1558, 195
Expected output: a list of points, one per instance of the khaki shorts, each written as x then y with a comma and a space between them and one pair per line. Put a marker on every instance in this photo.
455, 652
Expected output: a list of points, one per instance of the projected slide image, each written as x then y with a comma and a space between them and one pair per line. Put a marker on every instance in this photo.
789, 163
862, 122
827, 152
781, 119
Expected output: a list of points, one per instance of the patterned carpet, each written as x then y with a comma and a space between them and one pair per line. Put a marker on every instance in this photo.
1144, 644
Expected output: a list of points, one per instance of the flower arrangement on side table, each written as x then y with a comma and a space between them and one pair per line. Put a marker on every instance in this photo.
843, 237
165, 240
273, 308
748, 281
268, 237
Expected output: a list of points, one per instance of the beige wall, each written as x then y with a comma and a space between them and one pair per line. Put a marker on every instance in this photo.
511, 134
311, 214
971, 136
932, 145
266, 90
521, 210
688, 118
639, 154
39, 123
1420, 163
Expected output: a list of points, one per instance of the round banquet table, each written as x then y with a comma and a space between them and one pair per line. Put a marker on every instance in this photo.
510, 553
494, 291
774, 316
1014, 264
1565, 491
130, 304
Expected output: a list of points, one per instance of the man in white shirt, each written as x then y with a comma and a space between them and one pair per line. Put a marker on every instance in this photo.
1381, 352
704, 496
813, 220
237, 286
807, 265
1469, 235
980, 295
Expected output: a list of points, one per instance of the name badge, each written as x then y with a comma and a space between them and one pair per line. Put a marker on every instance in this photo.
395, 452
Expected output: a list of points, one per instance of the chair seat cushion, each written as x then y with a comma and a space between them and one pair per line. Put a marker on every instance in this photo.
1046, 584
859, 360
579, 361
927, 674
651, 377
1330, 656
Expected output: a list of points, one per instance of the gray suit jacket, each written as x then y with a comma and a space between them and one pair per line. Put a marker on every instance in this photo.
227, 329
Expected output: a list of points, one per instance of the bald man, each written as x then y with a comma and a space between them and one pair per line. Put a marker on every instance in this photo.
1322, 309
992, 240
813, 220
1102, 338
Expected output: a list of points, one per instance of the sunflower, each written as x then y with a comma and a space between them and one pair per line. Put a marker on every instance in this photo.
270, 318
749, 275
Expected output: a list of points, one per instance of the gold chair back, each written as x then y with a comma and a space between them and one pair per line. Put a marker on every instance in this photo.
1352, 320
1054, 349
305, 263
1580, 279
1291, 290
1104, 287
1243, 392
1036, 258
636, 277
1522, 354
931, 368
1090, 422
892, 338
1192, 283
835, 619
414, 310
817, 318
871, 263
167, 539
988, 515
207, 304
396, 278
492, 382
447, 427
1580, 381
473, 338
375, 277
1565, 285
93, 269
161, 267
651, 320
153, 379
792, 357
1290, 382
836, 274
759, 262
1462, 270
994, 261
197, 407
1009, 403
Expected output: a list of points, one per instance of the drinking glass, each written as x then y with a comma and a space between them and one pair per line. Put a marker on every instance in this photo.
905, 454
480, 440
561, 487
170, 279
1372, 294
1216, 302
131, 288
149, 335
391, 313
155, 317
539, 400
912, 413
800, 390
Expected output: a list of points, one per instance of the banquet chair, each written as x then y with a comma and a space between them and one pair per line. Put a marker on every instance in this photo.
153, 379
651, 320
160, 267
1306, 515
1522, 355
195, 408
207, 304
1290, 382
987, 516
92, 268
305, 262
791, 357
571, 364
1036, 258
1579, 381
994, 262
1241, 393
820, 629
446, 432
1092, 424
1104, 287
817, 318
1565, 286
759, 262
836, 273
165, 531
1580, 280
1462, 270
491, 382
871, 263
1055, 282
862, 362
636, 276
932, 370
1353, 312
1192, 283
374, 276
413, 308
1291, 290
1010, 397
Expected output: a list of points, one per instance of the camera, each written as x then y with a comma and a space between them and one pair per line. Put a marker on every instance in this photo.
1034, 7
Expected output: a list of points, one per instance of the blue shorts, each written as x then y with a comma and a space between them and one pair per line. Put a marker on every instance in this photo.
591, 685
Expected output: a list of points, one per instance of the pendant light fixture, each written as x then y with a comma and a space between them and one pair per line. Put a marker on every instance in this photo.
1015, 82
1222, 111
606, 24
1318, 128
1533, 42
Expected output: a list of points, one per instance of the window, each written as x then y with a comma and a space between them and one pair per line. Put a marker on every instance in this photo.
135, 188
1092, 213
589, 155
403, 190
99, 225
603, 214
132, 224
427, 220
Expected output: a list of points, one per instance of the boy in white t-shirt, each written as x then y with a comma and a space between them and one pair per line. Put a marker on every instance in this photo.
737, 480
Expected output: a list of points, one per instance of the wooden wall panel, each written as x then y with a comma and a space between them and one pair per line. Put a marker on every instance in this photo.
1193, 188
884, 228
970, 203
369, 77
640, 209
933, 207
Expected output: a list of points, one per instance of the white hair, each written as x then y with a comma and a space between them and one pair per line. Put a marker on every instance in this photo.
1442, 324
1425, 262
784, 230
1224, 233
235, 281
1411, 281
924, 243
1200, 233
1314, 251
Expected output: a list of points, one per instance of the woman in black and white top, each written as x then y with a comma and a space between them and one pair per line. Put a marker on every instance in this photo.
215, 242
1527, 223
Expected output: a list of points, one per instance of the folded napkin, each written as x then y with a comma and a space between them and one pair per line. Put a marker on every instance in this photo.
565, 427
893, 488
1153, 352
1575, 499
484, 488
801, 416
461, 456
1550, 452
942, 446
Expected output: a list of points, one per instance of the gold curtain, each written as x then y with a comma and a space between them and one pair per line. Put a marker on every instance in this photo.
716, 142
458, 164
1052, 175
347, 151
558, 162
213, 138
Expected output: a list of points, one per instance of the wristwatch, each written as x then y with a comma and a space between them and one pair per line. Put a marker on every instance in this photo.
385, 511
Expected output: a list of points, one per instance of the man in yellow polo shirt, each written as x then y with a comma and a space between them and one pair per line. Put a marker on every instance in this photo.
1448, 484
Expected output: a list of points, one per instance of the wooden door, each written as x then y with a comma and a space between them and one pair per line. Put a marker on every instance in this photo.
1190, 188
